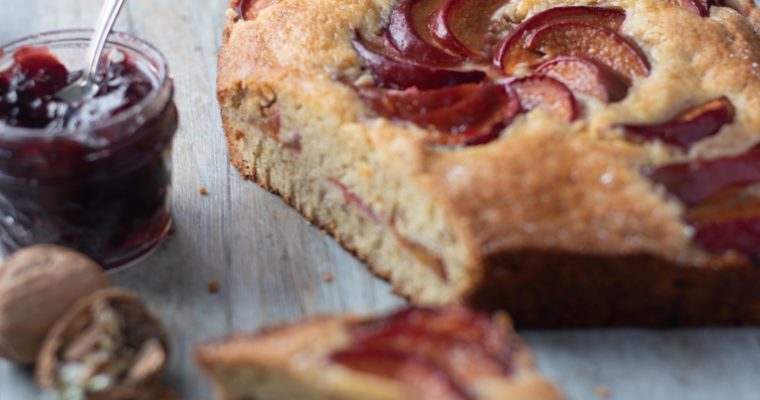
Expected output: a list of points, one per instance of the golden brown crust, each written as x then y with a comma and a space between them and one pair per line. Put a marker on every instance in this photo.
543, 186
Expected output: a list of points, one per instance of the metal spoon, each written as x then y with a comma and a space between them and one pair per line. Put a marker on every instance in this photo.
86, 86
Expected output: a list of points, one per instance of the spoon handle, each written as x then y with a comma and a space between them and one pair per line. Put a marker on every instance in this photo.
108, 14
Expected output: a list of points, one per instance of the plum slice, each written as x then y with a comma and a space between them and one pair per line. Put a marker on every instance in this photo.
455, 322
436, 352
466, 345
700, 7
723, 210
464, 114
594, 42
392, 72
738, 234
464, 361
699, 181
392, 103
242, 7
513, 51
586, 76
247, 9
732, 222
689, 127
462, 26
548, 94
426, 380
408, 31
476, 119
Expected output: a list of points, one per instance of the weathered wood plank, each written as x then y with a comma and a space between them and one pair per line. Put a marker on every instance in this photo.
268, 260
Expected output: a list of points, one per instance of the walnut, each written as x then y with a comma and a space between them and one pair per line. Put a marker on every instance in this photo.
37, 285
108, 346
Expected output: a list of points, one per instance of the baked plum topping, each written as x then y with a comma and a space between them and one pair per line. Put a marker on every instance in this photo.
390, 70
586, 76
428, 66
700, 7
457, 329
545, 93
514, 49
463, 362
718, 237
689, 127
475, 119
456, 321
242, 7
428, 69
697, 182
409, 33
92, 175
464, 114
247, 9
392, 103
730, 222
459, 344
720, 206
425, 380
463, 26
594, 42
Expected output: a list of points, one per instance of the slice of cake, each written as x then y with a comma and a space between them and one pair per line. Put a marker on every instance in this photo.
414, 354
577, 163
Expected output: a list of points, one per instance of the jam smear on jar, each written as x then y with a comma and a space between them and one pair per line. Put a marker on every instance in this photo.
93, 175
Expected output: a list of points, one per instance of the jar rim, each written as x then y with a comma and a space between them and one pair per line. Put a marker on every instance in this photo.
142, 49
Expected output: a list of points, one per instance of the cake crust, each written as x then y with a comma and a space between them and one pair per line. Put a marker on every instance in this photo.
546, 211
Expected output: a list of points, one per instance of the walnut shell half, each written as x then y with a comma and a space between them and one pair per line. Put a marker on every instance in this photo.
108, 346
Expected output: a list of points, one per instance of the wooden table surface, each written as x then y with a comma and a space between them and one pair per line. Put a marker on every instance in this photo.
269, 260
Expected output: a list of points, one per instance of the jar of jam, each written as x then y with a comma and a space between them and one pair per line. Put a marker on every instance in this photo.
93, 175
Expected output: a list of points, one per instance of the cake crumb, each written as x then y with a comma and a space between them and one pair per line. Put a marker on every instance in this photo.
503, 320
203, 191
364, 81
214, 287
603, 392
327, 277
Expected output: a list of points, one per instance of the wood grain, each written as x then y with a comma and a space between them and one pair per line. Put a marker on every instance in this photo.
269, 261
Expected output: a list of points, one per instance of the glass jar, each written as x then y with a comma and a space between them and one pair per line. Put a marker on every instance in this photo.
102, 188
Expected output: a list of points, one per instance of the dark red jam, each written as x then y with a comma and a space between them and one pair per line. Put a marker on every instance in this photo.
28, 88
93, 175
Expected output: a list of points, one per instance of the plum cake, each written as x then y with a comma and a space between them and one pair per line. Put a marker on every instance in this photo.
418, 353
578, 163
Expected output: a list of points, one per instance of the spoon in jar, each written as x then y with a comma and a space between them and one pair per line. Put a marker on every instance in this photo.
86, 86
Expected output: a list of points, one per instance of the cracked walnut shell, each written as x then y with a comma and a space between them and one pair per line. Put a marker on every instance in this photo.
109, 346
